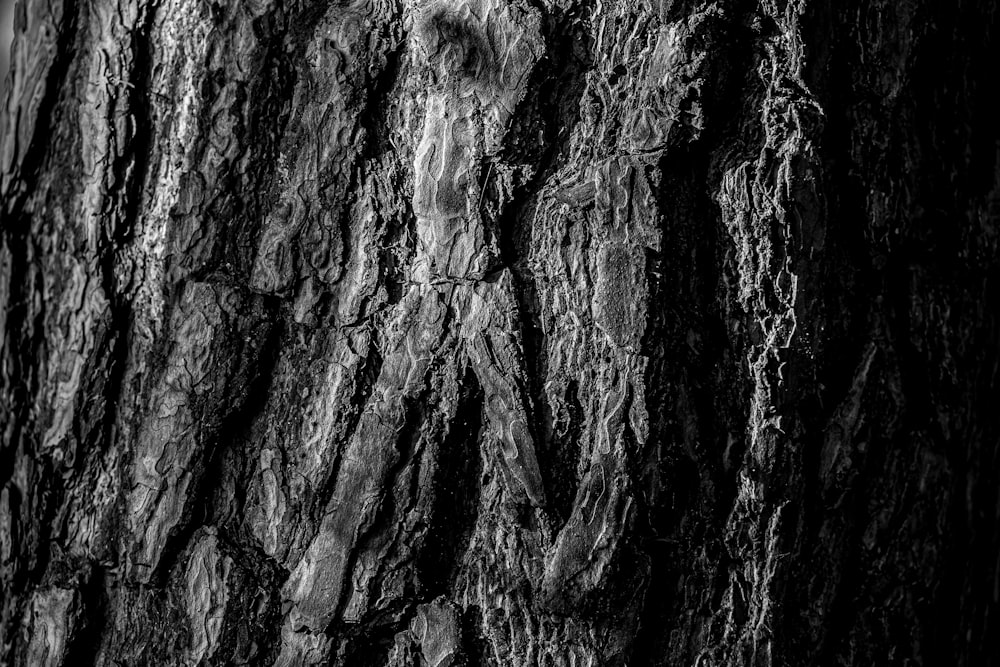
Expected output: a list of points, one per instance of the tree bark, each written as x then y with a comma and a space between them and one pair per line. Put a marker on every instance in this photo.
500, 332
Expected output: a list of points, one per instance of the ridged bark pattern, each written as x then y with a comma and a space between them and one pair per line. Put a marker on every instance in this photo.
500, 332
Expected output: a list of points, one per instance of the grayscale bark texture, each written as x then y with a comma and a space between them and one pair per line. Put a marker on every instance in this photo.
500, 332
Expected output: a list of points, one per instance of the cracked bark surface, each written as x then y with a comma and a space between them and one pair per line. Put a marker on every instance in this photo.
500, 332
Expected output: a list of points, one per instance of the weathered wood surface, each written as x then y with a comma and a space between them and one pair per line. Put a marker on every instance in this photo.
501, 332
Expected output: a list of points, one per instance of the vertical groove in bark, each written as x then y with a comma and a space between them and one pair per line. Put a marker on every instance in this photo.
494, 332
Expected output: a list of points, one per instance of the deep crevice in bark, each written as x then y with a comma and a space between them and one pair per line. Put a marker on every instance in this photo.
86, 642
457, 486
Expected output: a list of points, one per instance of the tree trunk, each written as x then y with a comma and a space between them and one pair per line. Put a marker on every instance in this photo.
500, 332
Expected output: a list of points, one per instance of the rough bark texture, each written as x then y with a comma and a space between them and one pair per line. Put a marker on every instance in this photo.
500, 332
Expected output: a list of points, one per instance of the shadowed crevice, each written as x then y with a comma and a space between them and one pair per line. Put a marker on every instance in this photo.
457, 485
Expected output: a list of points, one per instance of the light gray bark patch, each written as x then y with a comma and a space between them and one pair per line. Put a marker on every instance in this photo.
77, 321
579, 563
51, 619
437, 628
206, 595
320, 164
301, 434
618, 304
318, 581
443, 161
198, 387
300, 648
33, 54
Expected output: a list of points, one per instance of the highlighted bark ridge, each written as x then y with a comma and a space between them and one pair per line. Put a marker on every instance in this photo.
448, 302
201, 384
